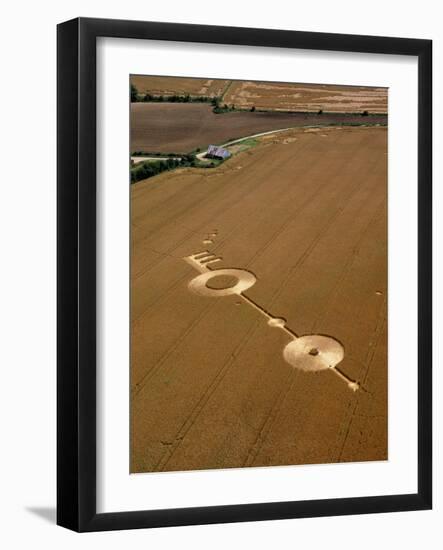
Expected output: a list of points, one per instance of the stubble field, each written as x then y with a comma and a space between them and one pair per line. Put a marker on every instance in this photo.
305, 211
273, 96
307, 97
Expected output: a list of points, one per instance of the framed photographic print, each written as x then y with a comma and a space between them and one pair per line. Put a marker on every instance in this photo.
244, 274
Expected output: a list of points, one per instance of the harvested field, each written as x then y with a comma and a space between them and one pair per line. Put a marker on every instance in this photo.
307, 97
171, 85
180, 128
305, 213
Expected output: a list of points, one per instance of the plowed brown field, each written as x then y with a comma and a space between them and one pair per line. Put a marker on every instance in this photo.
180, 128
305, 211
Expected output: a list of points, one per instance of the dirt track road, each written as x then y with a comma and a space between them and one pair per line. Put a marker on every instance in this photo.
305, 211
201, 156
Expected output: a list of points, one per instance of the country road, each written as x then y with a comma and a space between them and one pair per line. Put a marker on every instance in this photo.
201, 156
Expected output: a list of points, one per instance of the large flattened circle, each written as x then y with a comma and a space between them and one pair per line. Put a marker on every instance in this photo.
313, 352
245, 279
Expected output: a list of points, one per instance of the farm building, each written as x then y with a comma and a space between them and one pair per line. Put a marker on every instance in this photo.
216, 152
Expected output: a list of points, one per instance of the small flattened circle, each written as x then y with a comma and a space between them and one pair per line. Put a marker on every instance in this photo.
278, 322
313, 352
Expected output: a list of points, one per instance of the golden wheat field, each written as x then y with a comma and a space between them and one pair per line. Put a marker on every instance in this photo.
304, 214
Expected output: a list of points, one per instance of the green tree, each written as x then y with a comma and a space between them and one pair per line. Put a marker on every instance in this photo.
134, 93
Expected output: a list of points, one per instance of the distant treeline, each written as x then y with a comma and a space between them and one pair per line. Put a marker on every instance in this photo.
156, 154
215, 101
176, 98
151, 168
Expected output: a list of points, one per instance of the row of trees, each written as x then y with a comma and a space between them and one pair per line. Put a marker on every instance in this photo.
149, 169
175, 98
187, 98
149, 154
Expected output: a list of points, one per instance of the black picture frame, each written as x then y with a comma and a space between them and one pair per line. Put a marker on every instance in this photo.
76, 265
